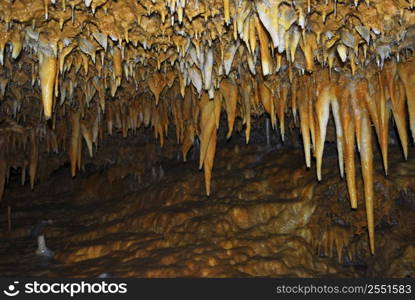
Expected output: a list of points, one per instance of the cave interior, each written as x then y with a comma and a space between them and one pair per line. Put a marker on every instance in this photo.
207, 138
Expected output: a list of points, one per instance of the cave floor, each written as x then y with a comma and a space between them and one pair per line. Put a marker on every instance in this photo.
267, 216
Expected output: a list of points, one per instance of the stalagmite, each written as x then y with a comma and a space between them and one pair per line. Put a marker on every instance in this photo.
383, 115
324, 96
226, 11
266, 60
207, 138
86, 133
246, 95
347, 120
405, 71
399, 114
305, 125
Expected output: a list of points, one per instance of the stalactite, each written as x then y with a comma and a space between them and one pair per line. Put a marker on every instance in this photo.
303, 108
266, 99
47, 74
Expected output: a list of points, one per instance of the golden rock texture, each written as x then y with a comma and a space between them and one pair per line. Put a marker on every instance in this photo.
73, 72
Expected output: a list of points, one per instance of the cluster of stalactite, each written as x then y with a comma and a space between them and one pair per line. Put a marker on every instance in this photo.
100, 65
